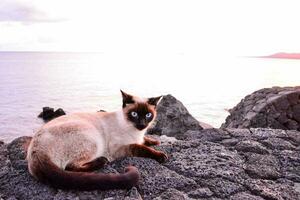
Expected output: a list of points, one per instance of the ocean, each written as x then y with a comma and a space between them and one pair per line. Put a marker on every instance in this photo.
77, 82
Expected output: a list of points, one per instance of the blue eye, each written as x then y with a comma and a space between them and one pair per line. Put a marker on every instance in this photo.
148, 115
134, 114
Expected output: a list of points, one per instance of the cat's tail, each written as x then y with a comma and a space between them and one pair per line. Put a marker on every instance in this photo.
42, 168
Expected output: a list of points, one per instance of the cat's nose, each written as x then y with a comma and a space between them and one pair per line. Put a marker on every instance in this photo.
141, 125
143, 122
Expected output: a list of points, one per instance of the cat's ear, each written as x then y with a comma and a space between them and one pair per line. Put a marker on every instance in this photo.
127, 98
154, 100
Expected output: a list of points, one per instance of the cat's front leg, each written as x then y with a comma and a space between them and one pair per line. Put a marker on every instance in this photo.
150, 141
140, 150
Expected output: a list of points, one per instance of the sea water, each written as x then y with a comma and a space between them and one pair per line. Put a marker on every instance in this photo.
76, 82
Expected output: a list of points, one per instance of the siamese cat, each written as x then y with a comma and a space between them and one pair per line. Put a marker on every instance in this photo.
64, 151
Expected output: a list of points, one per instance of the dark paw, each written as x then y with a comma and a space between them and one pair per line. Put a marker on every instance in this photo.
161, 157
150, 141
102, 160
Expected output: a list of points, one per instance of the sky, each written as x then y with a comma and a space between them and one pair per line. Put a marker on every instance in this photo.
200, 51
210, 28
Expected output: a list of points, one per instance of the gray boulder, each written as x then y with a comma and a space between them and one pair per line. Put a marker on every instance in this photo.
173, 119
277, 107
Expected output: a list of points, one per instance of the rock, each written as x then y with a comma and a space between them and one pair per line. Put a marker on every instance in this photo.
278, 143
172, 194
251, 146
201, 193
282, 119
59, 112
272, 190
282, 103
17, 152
166, 140
296, 112
264, 133
290, 162
48, 113
263, 166
238, 133
213, 164
293, 136
276, 107
133, 195
156, 178
292, 125
224, 188
230, 142
201, 165
173, 118
293, 98
245, 196
211, 135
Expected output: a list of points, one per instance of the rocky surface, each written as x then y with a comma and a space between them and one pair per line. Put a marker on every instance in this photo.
204, 164
211, 164
173, 119
275, 107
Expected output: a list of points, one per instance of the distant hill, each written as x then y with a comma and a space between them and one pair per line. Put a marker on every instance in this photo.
283, 55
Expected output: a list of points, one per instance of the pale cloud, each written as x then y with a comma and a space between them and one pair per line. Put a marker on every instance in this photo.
23, 11
191, 28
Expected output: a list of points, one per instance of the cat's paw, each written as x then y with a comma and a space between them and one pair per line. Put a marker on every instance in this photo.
150, 141
156, 142
161, 157
101, 161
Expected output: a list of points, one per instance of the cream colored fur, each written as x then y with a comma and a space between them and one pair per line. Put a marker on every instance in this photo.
82, 137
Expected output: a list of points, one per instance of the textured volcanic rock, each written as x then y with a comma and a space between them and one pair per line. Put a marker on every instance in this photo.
255, 163
48, 113
204, 164
173, 119
275, 107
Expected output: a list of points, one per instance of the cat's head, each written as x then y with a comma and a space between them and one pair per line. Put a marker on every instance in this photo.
139, 111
